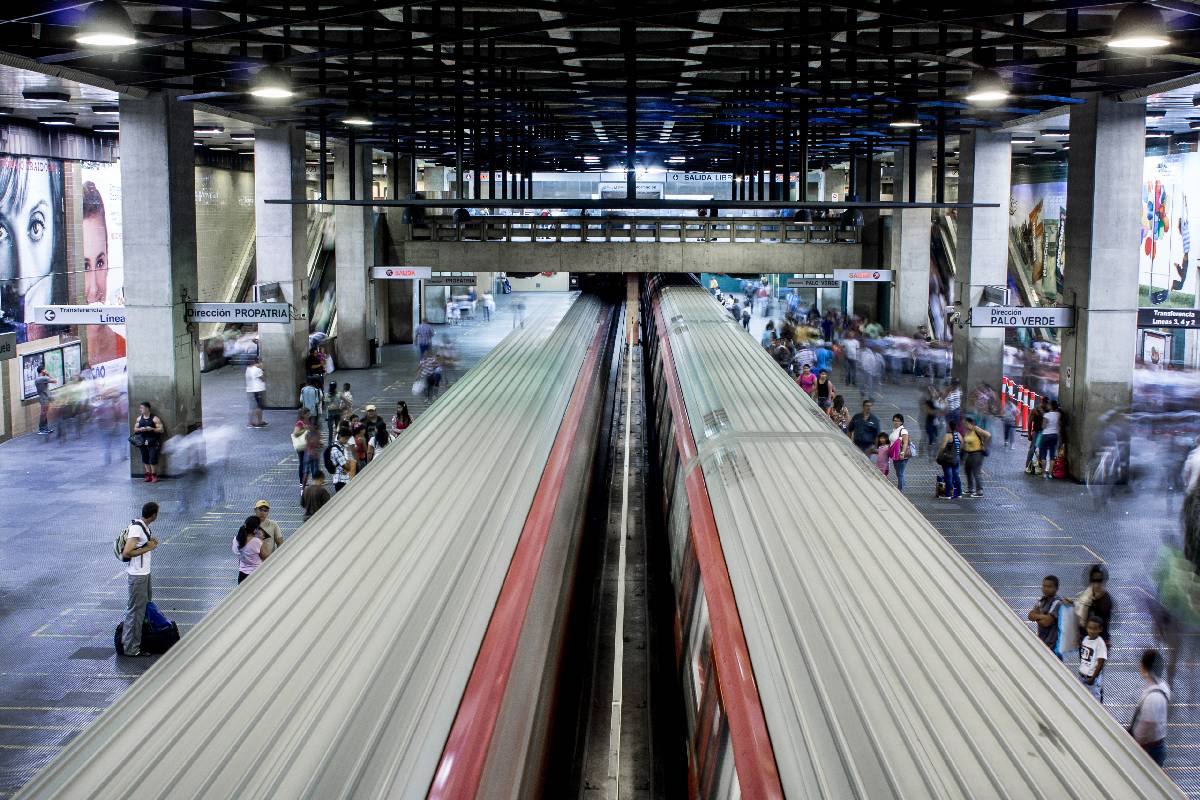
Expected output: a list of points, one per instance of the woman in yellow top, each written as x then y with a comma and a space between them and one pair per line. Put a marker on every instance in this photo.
975, 444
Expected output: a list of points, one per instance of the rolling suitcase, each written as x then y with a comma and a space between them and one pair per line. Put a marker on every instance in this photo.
158, 633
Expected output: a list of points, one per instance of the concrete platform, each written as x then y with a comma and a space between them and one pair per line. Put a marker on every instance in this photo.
61, 590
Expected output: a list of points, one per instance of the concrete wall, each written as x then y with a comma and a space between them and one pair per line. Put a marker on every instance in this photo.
630, 257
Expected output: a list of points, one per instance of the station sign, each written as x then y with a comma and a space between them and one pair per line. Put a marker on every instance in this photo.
245, 313
863, 275
452, 280
1168, 318
8, 346
1022, 317
697, 177
401, 273
813, 283
79, 315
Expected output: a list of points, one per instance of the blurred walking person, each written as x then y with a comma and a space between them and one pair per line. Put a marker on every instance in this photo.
1149, 724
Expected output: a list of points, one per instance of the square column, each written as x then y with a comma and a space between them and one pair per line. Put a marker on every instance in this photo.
1104, 195
911, 229
985, 176
354, 248
158, 204
280, 253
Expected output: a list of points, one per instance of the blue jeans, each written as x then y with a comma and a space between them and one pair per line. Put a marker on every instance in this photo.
900, 466
1048, 447
952, 482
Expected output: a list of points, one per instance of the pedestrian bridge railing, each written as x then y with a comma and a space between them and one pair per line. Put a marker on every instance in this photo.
771, 230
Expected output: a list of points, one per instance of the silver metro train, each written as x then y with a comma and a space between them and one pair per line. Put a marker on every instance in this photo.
830, 643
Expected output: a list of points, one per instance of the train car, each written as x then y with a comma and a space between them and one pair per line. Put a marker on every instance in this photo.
831, 644
406, 641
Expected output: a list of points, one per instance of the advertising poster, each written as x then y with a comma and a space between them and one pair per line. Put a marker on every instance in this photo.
33, 269
1165, 273
104, 278
1037, 215
61, 363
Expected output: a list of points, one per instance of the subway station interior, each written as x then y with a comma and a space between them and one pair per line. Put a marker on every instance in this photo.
609, 400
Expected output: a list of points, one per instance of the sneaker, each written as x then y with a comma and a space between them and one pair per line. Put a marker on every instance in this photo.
136, 654
979, 494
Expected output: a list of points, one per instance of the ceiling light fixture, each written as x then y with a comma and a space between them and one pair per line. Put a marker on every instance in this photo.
986, 87
1024, 138
1139, 26
106, 129
59, 121
107, 110
242, 137
221, 147
46, 95
1056, 134
271, 83
106, 24
357, 115
201, 130
905, 117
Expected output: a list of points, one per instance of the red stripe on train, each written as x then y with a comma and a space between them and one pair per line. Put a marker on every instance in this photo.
753, 754
460, 768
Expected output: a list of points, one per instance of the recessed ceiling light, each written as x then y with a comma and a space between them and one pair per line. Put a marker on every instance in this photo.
106, 24
201, 130
1023, 138
1157, 135
46, 95
358, 116
1056, 134
1045, 152
220, 147
242, 137
106, 129
905, 117
57, 121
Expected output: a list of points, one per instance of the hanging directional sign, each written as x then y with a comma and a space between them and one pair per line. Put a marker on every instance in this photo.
8, 346
1022, 317
401, 273
452, 280
79, 315
813, 283
259, 313
863, 275
1168, 318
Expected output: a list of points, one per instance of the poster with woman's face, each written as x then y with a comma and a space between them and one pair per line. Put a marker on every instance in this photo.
103, 276
32, 242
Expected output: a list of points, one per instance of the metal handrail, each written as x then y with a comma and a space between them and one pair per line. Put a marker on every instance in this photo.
769, 230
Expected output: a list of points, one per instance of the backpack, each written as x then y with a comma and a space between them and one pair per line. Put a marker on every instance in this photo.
122, 538
327, 457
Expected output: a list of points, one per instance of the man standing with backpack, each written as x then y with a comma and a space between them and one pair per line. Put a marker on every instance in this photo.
139, 543
337, 462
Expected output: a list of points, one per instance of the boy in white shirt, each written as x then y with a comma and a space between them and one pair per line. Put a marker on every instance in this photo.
1093, 653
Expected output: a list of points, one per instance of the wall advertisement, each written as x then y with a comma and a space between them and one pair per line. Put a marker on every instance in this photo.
62, 363
33, 268
1037, 214
103, 273
1165, 273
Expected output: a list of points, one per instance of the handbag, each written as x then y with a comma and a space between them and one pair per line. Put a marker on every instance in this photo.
137, 440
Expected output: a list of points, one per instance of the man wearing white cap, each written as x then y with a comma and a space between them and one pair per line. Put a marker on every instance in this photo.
273, 537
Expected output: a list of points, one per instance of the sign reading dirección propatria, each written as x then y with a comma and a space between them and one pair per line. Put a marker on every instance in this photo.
247, 313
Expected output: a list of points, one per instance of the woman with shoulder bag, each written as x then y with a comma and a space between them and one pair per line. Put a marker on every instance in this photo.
975, 443
147, 438
900, 448
949, 455
299, 440
248, 547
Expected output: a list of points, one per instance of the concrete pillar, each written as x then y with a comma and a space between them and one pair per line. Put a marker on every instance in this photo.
354, 252
1108, 147
158, 204
985, 176
401, 298
395, 216
910, 241
280, 254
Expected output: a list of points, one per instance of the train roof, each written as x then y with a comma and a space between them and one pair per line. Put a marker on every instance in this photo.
886, 666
